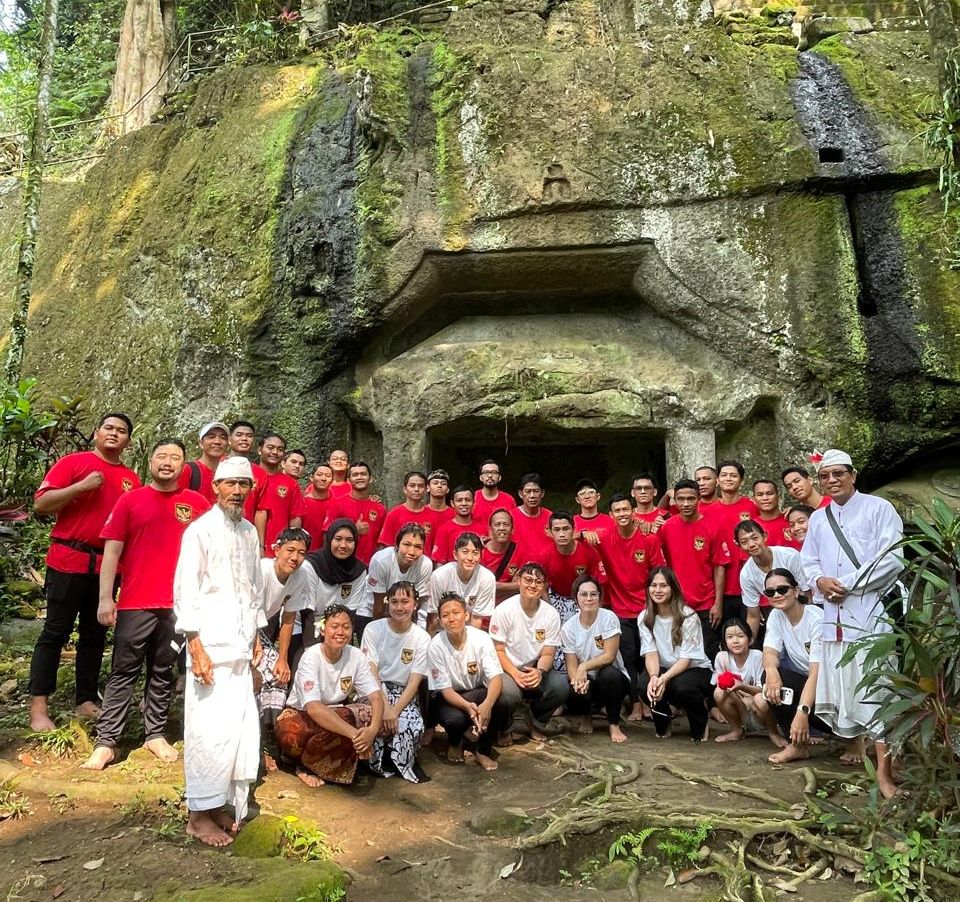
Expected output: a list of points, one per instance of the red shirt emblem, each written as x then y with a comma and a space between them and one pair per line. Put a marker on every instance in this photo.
699, 543
126, 484
282, 491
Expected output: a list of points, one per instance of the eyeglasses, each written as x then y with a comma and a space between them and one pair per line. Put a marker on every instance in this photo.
773, 591
828, 475
489, 472
532, 581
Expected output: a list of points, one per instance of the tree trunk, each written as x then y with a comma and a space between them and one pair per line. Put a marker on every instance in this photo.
146, 43
33, 183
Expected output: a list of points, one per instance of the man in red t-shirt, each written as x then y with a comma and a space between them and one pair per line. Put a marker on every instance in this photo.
628, 555
775, 525
731, 509
281, 505
448, 532
142, 537
530, 520
411, 510
801, 488
198, 474
438, 488
694, 550
502, 555
590, 519
566, 559
293, 464
243, 435
367, 514
81, 490
643, 490
340, 465
488, 498
316, 501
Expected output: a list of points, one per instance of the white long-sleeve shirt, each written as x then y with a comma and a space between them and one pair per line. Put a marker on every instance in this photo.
218, 586
872, 526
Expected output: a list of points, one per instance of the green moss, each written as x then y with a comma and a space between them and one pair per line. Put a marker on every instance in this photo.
278, 881
891, 75
448, 78
260, 838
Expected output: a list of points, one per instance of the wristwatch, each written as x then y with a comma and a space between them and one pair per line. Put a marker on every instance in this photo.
805, 709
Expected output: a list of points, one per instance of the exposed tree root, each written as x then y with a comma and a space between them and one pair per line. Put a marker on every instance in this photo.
606, 804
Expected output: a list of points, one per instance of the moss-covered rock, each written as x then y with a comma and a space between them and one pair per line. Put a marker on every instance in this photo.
279, 881
260, 838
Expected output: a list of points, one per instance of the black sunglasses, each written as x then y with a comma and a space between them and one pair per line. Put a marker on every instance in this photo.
777, 590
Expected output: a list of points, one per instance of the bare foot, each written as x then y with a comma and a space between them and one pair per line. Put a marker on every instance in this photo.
99, 758
536, 734
732, 736
455, 754
311, 780
717, 715
472, 735
486, 762
40, 722
888, 787
203, 827
586, 725
666, 735
790, 753
504, 740
224, 821
162, 749
636, 713
779, 741
87, 710
854, 753
269, 762
616, 734
427, 737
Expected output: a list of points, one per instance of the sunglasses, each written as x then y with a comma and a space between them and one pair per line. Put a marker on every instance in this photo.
773, 591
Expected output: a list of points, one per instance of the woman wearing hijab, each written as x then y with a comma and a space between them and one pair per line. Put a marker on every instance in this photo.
334, 575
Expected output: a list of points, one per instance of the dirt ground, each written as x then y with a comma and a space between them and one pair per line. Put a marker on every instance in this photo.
401, 841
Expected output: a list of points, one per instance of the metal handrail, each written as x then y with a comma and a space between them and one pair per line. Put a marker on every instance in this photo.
187, 71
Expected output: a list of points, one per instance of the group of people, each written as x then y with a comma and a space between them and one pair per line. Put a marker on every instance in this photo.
316, 627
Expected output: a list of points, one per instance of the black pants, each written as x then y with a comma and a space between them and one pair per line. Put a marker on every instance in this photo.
544, 700
456, 722
609, 687
70, 596
784, 714
687, 691
630, 652
140, 636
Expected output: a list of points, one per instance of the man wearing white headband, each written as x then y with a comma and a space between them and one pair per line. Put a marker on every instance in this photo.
218, 601
846, 554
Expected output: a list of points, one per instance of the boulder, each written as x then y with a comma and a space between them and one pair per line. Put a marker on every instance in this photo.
827, 26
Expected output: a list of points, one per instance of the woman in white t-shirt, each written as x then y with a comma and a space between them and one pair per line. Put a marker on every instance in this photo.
737, 675
335, 709
791, 659
591, 646
468, 578
335, 575
677, 669
396, 648
466, 679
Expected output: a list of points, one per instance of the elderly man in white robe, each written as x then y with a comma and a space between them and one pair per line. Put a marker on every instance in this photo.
218, 601
847, 555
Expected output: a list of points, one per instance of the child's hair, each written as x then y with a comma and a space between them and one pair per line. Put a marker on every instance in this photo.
404, 587
741, 625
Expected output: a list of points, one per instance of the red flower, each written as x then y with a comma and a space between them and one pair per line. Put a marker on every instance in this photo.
728, 679
288, 16
815, 458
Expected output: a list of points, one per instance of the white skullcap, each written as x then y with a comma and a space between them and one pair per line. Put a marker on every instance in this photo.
833, 457
233, 468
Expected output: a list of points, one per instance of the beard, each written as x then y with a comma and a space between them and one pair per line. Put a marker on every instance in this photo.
233, 512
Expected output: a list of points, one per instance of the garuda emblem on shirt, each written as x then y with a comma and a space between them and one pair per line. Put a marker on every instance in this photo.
282, 491
372, 516
406, 656
581, 569
345, 590
639, 555
183, 512
345, 683
539, 635
126, 484
699, 543
472, 668
744, 515
598, 640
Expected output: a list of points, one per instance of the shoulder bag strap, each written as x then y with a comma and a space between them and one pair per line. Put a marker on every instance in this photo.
842, 539
504, 561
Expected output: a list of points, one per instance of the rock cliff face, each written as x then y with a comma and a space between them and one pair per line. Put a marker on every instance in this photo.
628, 232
